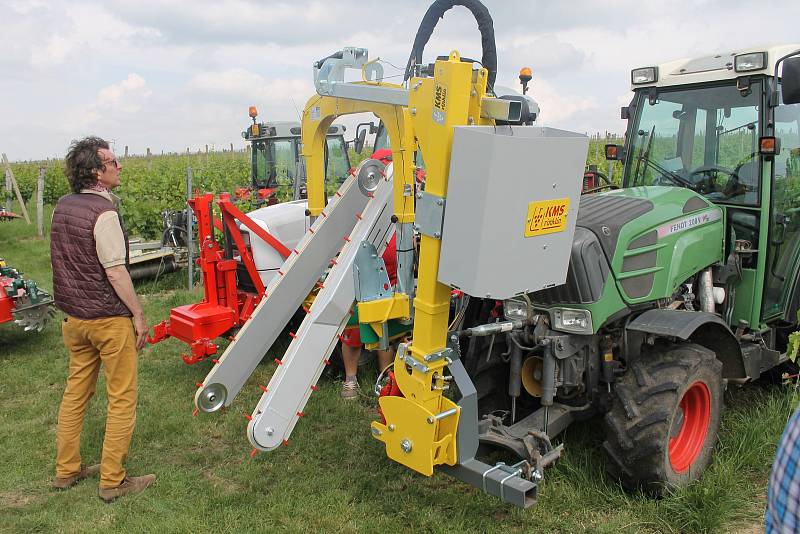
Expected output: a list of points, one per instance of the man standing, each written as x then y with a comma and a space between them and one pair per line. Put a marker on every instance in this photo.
105, 322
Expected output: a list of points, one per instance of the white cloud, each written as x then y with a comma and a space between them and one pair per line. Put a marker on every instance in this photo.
557, 106
242, 84
167, 74
127, 96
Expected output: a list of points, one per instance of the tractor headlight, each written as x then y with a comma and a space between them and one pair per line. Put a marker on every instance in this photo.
644, 75
517, 309
748, 62
571, 320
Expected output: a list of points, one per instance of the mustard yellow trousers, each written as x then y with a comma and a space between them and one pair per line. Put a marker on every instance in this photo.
112, 342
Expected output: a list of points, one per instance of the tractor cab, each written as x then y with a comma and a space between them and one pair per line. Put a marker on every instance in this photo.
721, 127
382, 142
277, 161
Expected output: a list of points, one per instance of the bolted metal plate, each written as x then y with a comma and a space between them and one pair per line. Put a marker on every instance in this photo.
369, 274
212, 397
429, 214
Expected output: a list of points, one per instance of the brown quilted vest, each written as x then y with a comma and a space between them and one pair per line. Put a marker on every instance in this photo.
80, 285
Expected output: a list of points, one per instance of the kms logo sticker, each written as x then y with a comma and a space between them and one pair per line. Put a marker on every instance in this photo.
439, 104
546, 217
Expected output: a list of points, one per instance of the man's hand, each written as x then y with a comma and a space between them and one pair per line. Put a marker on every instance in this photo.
123, 286
142, 329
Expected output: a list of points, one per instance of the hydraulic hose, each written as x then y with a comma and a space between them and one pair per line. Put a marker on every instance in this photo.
485, 25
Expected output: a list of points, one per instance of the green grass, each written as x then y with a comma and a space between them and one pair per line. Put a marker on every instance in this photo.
333, 476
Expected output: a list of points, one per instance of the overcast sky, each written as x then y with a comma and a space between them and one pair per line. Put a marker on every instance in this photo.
175, 74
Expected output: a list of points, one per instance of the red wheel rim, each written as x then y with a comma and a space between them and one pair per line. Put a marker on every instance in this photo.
685, 447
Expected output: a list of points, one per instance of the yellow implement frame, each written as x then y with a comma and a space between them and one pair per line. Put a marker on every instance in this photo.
420, 429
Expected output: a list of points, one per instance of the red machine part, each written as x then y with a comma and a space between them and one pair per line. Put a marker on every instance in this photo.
6, 304
590, 181
6, 215
244, 193
224, 306
389, 389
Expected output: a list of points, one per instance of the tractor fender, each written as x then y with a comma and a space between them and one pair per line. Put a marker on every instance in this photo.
703, 328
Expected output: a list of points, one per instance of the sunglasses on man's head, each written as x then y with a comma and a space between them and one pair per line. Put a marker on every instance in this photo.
113, 162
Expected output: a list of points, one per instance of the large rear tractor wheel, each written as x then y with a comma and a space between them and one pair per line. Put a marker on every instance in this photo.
661, 430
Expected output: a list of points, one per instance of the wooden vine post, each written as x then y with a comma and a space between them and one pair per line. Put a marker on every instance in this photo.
10, 176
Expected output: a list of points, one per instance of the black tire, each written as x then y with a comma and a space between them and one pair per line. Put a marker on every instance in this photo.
646, 414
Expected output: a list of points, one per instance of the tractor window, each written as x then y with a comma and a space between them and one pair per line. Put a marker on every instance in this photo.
382, 138
785, 216
699, 140
787, 163
275, 162
337, 164
702, 138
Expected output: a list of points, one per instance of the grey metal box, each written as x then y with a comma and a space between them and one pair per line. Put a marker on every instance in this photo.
499, 178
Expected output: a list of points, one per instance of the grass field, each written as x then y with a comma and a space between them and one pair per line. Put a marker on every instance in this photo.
332, 476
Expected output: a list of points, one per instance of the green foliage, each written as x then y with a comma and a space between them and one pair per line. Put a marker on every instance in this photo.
55, 183
149, 185
152, 185
793, 347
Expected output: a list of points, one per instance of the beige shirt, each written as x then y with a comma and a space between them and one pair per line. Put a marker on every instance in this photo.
108, 237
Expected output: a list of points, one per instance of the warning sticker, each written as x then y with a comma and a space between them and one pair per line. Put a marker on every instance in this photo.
546, 217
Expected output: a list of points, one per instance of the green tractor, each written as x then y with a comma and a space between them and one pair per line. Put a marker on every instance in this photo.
277, 162
680, 282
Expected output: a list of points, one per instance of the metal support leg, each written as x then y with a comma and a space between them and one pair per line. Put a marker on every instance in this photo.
503, 481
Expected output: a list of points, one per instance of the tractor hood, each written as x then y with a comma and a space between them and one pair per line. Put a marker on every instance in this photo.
654, 238
640, 243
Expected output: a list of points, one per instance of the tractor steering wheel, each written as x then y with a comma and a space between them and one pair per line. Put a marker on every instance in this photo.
708, 184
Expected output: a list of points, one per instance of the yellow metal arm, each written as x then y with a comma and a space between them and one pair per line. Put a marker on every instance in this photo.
420, 429
319, 114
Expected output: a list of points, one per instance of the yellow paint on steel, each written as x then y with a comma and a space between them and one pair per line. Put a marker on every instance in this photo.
380, 311
436, 106
319, 114
447, 100
413, 437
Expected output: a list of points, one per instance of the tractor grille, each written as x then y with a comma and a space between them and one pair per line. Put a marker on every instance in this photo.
586, 276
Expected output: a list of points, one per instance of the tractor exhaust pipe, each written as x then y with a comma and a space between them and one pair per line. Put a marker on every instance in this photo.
707, 291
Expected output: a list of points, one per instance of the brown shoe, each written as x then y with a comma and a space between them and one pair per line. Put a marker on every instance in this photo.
350, 390
85, 472
129, 485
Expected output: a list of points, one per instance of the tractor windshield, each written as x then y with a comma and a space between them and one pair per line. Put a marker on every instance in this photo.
382, 140
275, 162
702, 138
